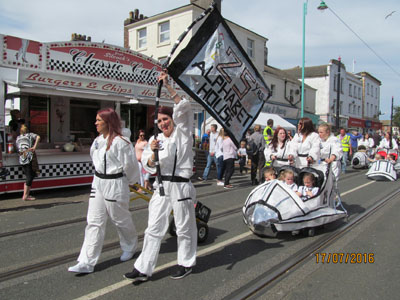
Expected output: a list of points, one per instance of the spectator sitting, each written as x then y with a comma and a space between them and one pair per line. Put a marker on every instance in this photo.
307, 190
269, 174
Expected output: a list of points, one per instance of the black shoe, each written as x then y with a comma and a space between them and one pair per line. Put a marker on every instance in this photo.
182, 272
135, 275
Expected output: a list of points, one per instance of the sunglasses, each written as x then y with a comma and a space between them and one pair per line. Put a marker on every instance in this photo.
141, 134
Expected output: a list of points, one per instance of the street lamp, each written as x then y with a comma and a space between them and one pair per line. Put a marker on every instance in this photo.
338, 97
321, 6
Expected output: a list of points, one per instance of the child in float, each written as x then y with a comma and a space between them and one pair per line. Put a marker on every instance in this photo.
269, 174
288, 179
381, 155
307, 190
242, 154
392, 158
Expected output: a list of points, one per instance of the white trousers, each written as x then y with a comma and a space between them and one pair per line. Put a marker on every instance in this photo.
98, 212
179, 198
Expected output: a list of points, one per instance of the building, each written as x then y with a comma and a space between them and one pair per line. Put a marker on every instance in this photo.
58, 88
155, 36
358, 99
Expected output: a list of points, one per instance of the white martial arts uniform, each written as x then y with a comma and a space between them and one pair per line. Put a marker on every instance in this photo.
384, 144
179, 196
332, 146
310, 147
282, 155
110, 197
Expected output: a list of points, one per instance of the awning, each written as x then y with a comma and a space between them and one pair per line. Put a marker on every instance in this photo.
278, 120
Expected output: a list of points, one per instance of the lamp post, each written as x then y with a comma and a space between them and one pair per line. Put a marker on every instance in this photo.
321, 6
391, 119
338, 98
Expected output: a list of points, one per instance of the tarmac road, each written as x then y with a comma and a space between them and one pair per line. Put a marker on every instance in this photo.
230, 258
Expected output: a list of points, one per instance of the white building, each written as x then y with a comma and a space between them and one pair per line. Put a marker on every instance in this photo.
155, 36
358, 99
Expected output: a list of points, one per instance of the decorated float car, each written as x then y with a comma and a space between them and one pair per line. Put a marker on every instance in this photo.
273, 207
360, 160
384, 169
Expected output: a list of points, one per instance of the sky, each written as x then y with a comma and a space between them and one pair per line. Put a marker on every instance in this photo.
281, 22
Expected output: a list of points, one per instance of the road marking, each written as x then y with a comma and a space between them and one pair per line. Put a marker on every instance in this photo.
357, 188
123, 283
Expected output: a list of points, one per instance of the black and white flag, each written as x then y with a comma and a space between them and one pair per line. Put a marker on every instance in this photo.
215, 71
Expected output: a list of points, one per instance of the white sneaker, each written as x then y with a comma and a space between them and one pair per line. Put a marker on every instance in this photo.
126, 255
220, 183
81, 268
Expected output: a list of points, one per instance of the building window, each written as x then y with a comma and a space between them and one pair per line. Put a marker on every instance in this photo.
359, 112
39, 117
354, 109
350, 89
359, 93
82, 114
341, 85
376, 93
250, 48
367, 112
355, 92
142, 38
372, 91
367, 88
163, 30
273, 87
349, 108
335, 83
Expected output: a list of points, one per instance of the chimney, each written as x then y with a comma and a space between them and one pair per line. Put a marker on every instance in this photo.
80, 37
206, 3
134, 16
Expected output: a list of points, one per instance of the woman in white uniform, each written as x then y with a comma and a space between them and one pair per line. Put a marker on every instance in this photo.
176, 162
307, 144
116, 167
388, 143
368, 143
280, 150
331, 149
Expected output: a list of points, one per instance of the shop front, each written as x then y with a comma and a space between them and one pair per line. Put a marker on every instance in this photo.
356, 124
58, 89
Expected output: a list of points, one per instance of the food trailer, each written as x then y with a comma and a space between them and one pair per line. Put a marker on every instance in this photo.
58, 87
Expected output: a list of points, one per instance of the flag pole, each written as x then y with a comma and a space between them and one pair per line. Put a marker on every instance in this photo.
157, 161
160, 84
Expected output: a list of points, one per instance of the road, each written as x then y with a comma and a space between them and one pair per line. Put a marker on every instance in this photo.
230, 261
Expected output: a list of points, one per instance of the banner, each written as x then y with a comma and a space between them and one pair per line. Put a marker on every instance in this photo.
216, 72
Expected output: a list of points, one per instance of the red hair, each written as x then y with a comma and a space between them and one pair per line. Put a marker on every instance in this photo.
111, 118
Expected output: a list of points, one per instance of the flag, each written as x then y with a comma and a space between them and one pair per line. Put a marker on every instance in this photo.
217, 73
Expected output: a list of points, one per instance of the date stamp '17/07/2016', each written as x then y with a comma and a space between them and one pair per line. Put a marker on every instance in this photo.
344, 258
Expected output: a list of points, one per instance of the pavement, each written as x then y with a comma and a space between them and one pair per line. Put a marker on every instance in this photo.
52, 197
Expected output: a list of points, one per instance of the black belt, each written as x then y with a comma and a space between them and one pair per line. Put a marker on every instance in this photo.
302, 155
108, 176
282, 159
174, 178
